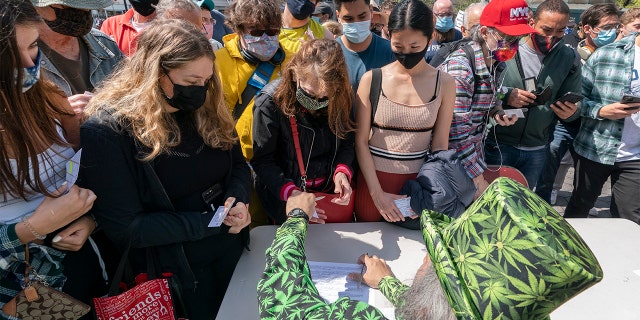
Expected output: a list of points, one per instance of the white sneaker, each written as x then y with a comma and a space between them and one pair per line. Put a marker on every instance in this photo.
554, 197
594, 212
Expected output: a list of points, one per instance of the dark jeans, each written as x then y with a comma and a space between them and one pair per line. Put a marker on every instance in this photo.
588, 180
530, 163
563, 136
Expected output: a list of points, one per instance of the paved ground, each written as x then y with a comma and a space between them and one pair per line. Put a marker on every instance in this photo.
602, 205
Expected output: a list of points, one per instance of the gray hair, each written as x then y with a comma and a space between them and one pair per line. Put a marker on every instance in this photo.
165, 8
425, 299
471, 7
477, 36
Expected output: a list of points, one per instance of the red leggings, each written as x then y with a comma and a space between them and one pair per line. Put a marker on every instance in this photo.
366, 210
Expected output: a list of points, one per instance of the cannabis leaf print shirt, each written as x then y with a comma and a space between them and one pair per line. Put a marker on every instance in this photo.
286, 291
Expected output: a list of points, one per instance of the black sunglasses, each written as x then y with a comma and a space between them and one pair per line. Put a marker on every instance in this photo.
260, 32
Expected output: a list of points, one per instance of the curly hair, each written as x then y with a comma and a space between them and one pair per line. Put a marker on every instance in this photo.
322, 59
132, 94
263, 13
27, 120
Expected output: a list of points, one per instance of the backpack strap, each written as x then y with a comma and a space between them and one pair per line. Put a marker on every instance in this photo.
258, 80
468, 51
374, 93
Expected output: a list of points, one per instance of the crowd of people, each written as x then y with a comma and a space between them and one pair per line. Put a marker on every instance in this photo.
178, 111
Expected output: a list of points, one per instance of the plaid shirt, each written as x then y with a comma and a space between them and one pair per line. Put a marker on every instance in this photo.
471, 108
47, 261
605, 78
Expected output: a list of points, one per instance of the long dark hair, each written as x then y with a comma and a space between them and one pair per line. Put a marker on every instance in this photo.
411, 14
323, 59
26, 119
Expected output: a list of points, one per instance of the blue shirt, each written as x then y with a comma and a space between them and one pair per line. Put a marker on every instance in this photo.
377, 55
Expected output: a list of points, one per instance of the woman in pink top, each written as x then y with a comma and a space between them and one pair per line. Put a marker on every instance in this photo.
412, 118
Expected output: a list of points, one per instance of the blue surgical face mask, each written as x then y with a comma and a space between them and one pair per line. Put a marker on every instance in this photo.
357, 32
605, 37
444, 24
316, 19
30, 75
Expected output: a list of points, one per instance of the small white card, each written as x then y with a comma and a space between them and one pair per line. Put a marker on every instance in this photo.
219, 216
404, 205
517, 112
73, 167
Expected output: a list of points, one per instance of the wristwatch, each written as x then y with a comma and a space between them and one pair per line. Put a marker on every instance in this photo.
298, 213
502, 93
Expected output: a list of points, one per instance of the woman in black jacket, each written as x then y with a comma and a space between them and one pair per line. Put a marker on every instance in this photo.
314, 91
160, 152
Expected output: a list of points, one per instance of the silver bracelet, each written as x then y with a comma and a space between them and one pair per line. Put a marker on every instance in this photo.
38, 236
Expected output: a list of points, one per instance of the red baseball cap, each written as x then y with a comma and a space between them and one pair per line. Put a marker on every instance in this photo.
508, 16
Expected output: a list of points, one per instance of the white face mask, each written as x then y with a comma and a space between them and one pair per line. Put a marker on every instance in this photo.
357, 32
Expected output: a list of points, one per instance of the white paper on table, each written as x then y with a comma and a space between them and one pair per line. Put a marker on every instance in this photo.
332, 281
404, 205
73, 167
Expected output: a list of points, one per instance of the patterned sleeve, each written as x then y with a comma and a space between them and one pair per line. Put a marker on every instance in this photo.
286, 290
12, 250
462, 124
392, 289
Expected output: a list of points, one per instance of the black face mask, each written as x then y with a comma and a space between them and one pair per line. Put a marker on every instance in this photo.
301, 9
410, 60
144, 7
544, 44
71, 21
187, 98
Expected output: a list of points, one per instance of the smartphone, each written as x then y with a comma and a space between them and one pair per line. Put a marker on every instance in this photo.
627, 98
571, 97
518, 112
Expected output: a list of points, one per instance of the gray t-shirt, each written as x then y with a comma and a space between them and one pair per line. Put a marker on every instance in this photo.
630, 146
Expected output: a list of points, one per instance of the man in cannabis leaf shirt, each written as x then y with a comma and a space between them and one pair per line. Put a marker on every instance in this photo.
287, 292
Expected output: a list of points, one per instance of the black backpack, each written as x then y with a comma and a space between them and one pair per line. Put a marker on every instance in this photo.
450, 47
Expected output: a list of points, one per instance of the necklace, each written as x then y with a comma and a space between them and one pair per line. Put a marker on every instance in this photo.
184, 154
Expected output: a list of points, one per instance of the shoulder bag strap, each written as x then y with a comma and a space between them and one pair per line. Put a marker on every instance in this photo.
374, 92
258, 80
296, 143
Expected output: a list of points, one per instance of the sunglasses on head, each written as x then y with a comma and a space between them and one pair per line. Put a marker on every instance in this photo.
259, 32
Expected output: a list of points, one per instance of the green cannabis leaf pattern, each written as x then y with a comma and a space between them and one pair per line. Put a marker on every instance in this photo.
509, 256
286, 291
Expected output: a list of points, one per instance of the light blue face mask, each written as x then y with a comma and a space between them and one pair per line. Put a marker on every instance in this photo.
357, 32
444, 24
316, 19
31, 75
605, 37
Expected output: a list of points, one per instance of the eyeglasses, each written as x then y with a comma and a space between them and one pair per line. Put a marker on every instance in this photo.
443, 15
506, 39
206, 20
259, 32
608, 27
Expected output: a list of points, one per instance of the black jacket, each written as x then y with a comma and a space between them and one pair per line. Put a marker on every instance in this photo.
132, 206
442, 185
274, 154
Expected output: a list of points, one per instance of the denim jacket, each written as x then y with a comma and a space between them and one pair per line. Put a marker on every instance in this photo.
104, 56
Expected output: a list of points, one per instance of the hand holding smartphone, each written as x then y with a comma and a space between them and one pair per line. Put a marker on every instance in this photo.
628, 99
570, 97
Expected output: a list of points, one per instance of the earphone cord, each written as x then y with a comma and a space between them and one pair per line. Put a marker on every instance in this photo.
494, 81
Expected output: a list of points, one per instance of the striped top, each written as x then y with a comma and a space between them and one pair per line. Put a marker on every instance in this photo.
470, 109
52, 163
401, 134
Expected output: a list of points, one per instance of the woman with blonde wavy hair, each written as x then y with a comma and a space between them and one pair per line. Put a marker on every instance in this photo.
161, 154
314, 96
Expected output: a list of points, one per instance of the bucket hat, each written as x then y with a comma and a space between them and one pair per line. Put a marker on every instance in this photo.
508, 256
78, 4
508, 16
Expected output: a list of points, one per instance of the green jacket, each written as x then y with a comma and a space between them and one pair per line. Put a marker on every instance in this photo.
562, 74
